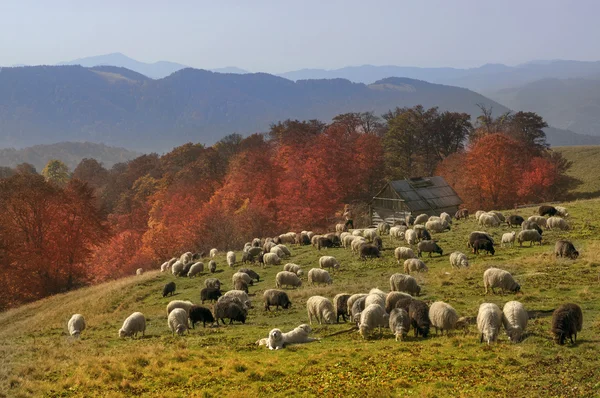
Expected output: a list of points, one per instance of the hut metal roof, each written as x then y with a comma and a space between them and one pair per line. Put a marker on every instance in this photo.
425, 194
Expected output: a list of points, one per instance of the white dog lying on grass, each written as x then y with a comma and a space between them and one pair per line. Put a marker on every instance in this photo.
277, 339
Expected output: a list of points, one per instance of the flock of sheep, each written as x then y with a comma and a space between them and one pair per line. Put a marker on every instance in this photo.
399, 309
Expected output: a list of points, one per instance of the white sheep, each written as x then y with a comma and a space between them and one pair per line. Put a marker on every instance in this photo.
403, 253
231, 258
508, 239
186, 258
414, 264
329, 262
478, 214
421, 219
397, 232
489, 321
410, 236
529, 235
278, 340
404, 283
195, 269
240, 295
164, 267
277, 250
286, 278
489, 220
399, 323
357, 232
514, 319
76, 325
370, 234
557, 223
139, 271
356, 243
347, 240
321, 309
437, 226
285, 250
561, 211
178, 321
371, 317
392, 299
318, 275
134, 324
295, 268
340, 228
539, 220
442, 317
213, 253
374, 298
271, 259
499, 278
353, 298
458, 260
242, 276
212, 283
383, 228
177, 267
185, 305
446, 217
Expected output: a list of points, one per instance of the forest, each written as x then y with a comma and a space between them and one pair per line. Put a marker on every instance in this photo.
63, 229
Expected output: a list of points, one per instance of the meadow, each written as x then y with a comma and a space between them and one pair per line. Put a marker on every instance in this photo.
40, 359
585, 168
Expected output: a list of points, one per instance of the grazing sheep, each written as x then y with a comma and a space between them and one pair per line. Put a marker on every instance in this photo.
561, 211
489, 220
409, 219
178, 321
565, 248
498, 214
200, 314
419, 317
404, 283
347, 240
177, 268
268, 246
547, 210
321, 309
370, 234
531, 225
285, 250
357, 232
398, 232
355, 297
414, 264
241, 276
76, 325
422, 233
340, 304
478, 214
271, 259
304, 239
241, 295
508, 239
318, 275
442, 317
231, 308
164, 267
383, 228
340, 227
184, 305
212, 266
374, 298
213, 253
368, 250
139, 271
275, 297
514, 220
357, 307
429, 246
393, 298
356, 243
371, 317
378, 243
251, 273
210, 293
195, 269
540, 221
186, 258
240, 284
458, 260
489, 321
483, 244
278, 340
329, 262
496, 277
286, 278
213, 283
403, 253
461, 213
278, 251
410, 236
557, 223
473, 236
437, 226
254, 252
399, 323
567, 320
186, 269
421, 219
446, 217
291, 267
134, 324
169, 289
529, 235
514, 319
231, 259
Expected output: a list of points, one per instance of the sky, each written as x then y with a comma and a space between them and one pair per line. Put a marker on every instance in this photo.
278, 36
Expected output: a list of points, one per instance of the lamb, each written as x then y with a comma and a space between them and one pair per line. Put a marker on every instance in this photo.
278, 340
278, 251
275, 297
565, 248
213, 253
473, 236
515, 220
437, 226
414, 264
134, 324
557, 223
495, 277
410, 236
200, 314
404, 283
547, 210
329, 262
184, 305
529, 235
442, 317
461, 213
489, 321
230, 308
212, 283
508, 239
178, 321
368, 250
241, 276
421, 219
230, 258
429, 246
458, 260
321, 309
271, 259
489, 220
340, 304
483, 244
540, 221
403, 253
567, 320
392, 299
419, 317
139, 271
169, 289
212, 266
177, 268
286, 278
295, 268
561, 211
210, 293
240, 295
514, 319
371, 317
76, 325
317, 275
399, 322
195, 269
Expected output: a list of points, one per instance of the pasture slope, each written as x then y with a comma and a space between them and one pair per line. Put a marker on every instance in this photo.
39, 359
586, 168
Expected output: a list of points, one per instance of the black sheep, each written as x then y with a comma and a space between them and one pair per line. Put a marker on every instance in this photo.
423, 234
483, 244
418, 313
324, 242
341, 306
410, 220
515, 220
230, 308
549, 210
567, 320
565, 248
478, 235
368, 250
200, 314
378, 242
278, 298
209, 293
169, 289
304, 240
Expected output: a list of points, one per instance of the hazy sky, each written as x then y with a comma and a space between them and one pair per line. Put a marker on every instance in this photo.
277, 36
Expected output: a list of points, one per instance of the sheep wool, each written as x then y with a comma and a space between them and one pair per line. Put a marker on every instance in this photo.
318, 275
230, 258
403, 253
414, 264
404, 283
399, 323
329, 262
287, 278
442, 317
499, 278
195, 269
178, 321
371, 317
321, 309
134, 324
76, 325
185, 305
271, 259
458, 260
514, 319
489, 321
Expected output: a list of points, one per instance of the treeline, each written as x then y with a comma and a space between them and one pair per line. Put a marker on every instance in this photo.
64, 229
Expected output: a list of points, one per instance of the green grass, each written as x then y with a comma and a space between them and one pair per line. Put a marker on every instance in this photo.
39, 359
586, 160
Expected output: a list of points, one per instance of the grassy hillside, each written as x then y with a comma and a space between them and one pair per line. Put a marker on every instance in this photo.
586, 160
39, 359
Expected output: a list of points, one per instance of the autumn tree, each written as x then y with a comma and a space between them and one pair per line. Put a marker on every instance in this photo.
56, 172
92, 172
